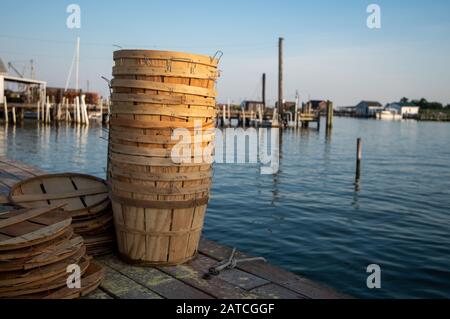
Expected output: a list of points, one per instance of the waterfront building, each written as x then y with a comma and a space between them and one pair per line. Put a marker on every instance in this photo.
368, 108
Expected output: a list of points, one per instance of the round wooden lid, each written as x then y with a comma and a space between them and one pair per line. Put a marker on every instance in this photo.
75, 191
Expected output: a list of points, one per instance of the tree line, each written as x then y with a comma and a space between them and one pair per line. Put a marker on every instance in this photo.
425, 105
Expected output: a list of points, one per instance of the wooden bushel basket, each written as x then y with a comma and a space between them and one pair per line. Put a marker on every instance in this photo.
159, 204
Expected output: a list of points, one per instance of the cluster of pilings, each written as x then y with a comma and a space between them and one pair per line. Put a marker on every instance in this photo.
259, 116
68, 110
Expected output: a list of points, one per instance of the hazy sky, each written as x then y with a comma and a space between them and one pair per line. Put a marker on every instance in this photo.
330, 53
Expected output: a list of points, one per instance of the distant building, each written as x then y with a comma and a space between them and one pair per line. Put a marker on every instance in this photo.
404, 109
368, 108
318, 105
34, 88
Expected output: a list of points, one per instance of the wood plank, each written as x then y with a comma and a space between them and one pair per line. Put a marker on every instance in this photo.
21, 216
274, 291
29, 252
40, 273
215, 286
24, 228
83, 183
44, 285
59, 195
116, 284
90, 281
15, 171
157, 281
31, 188
98, 294
56, 185
36, 237
271, 273
235, 277
24, 167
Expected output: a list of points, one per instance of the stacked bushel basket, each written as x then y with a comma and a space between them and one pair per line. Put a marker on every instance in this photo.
159, 203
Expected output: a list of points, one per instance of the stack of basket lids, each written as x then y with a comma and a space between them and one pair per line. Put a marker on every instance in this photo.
84, 197
36, 247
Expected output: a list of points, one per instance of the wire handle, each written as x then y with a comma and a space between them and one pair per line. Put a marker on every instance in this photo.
109, 85
191, 62
218, 55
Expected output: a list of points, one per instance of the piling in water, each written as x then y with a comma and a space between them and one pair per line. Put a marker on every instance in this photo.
358, 158
329, 114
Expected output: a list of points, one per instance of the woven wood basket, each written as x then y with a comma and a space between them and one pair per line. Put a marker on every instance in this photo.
159, 204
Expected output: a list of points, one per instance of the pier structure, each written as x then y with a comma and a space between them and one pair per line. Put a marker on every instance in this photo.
253, 279
260, 118
20, 95
45, 110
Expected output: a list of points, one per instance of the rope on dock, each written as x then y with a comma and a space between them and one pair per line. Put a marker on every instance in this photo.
230, 263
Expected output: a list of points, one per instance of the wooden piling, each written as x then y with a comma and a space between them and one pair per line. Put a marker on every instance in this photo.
101, 110
264, 90
358, 158
5, 110
58, 112
229, 113
224, 115
43, 109
318, 121
47, 111
280, 76
13, 111
66, 108
77, 110
260, 113
84, 114
329, 114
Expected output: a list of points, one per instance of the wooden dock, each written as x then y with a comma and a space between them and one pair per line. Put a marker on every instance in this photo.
250, 118
51, 112
252, 280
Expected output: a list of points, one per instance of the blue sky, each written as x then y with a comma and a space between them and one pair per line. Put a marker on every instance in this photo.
329, 51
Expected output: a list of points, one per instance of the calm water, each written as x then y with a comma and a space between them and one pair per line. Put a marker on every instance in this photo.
309, 218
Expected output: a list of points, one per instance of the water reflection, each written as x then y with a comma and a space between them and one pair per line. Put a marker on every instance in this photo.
322, 223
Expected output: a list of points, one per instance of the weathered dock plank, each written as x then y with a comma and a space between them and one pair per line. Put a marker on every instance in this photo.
155, 280
121, 287
215, 286
274, 291
281, 277
248, 280
235, 277
98, 294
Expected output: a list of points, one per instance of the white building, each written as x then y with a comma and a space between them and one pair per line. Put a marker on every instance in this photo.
404, 109
5, 79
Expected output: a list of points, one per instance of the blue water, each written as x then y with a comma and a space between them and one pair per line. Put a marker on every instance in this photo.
310, 218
